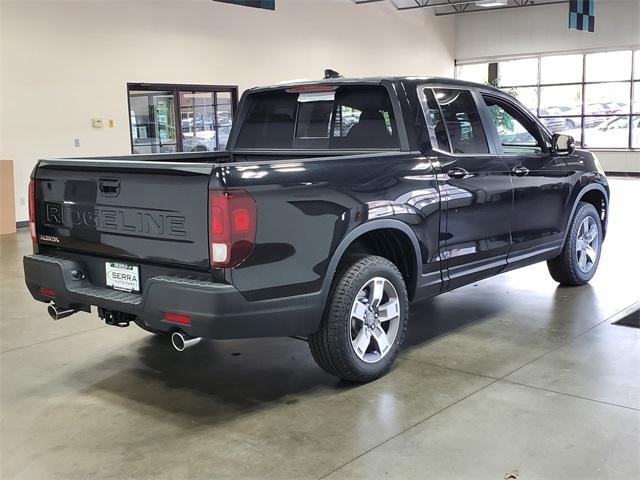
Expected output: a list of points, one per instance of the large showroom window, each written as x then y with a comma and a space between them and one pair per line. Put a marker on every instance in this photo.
180, 118
593, 96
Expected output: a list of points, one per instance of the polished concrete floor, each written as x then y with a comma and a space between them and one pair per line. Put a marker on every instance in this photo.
514, 376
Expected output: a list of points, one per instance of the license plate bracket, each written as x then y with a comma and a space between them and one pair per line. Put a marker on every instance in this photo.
123, 276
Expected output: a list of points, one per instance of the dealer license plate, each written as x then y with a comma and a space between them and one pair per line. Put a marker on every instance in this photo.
122, 276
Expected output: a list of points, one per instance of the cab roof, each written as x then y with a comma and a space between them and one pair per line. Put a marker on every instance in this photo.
412, 80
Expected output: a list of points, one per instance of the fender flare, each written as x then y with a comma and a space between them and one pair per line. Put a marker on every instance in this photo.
383, 223
583, 191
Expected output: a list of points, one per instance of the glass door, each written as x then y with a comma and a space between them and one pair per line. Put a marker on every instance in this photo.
205, 119
197, 120
180, 118
153, 121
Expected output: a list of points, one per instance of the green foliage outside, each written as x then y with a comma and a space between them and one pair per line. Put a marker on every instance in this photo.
503, 120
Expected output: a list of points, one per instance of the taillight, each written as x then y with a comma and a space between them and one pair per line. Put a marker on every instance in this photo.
32, 210
232, 227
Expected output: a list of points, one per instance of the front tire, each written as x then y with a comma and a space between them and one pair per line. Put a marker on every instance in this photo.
365, 321
579, 259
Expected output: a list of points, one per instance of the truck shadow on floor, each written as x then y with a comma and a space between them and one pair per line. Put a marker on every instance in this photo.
217, 381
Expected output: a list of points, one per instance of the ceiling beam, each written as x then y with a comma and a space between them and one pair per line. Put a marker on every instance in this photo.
453, 7
517, 4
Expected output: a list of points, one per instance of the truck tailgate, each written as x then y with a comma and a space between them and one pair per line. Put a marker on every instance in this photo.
152, 211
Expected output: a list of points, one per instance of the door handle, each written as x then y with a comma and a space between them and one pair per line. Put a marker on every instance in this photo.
457, 173
520, 171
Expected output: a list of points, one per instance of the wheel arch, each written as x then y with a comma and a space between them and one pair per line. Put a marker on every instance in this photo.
596, 195
379, 237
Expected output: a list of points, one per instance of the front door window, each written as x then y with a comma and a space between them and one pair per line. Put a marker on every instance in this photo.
517, 133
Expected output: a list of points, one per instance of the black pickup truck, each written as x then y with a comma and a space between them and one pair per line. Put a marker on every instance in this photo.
338, 203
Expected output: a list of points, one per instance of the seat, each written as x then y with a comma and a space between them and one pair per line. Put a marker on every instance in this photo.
370, 131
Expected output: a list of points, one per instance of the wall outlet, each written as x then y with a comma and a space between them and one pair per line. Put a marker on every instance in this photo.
76, 142
23, 202
96, 122
110, 122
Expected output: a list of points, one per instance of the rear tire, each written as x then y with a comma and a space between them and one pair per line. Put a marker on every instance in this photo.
365, 320
577, 263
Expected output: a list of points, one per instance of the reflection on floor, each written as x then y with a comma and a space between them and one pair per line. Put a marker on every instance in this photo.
512, 375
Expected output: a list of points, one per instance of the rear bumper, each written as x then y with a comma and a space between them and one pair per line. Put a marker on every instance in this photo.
216, 310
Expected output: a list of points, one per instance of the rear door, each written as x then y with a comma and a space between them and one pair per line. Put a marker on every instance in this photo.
475, 187
540, 180
127, 209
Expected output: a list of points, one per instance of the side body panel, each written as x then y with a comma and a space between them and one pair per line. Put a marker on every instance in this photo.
308, 210
476, 238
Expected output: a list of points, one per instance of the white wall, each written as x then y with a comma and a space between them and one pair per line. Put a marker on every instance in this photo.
65, 62
533, 30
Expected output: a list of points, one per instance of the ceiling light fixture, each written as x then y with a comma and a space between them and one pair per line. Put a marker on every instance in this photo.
492, 3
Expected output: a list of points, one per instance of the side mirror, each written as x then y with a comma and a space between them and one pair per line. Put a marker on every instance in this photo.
562, 144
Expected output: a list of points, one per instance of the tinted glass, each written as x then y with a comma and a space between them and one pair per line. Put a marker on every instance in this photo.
462, 120
314, 119
442, 139
356, 117
517, 133
270, 121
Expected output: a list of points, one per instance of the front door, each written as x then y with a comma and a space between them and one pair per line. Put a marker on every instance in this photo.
475, 188
541, 190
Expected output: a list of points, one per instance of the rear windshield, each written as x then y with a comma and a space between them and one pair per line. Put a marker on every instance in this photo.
342, 118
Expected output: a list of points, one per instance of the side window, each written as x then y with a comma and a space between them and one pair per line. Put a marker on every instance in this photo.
363, 119
346, 117
517, 133
462, 121
440, 130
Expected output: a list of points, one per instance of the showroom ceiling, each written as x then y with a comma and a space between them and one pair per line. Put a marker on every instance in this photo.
453, 7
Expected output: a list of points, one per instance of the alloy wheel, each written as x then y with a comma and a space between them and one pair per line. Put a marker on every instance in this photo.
375, 318
587, 244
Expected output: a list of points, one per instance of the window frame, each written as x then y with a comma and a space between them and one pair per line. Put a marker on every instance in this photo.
541, 134
493, 74
177, 89
490, 131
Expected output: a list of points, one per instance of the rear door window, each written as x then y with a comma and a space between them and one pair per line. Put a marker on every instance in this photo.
462, 121
351, 117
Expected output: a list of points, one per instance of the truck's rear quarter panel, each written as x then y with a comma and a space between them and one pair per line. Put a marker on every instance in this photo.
305, 208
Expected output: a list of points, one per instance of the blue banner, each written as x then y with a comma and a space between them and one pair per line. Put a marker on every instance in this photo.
582, 15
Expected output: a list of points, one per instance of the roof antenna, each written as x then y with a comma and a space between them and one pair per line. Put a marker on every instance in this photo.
328, 73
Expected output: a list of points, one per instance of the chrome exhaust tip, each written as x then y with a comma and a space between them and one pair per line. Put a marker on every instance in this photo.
181, 341
57, 313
